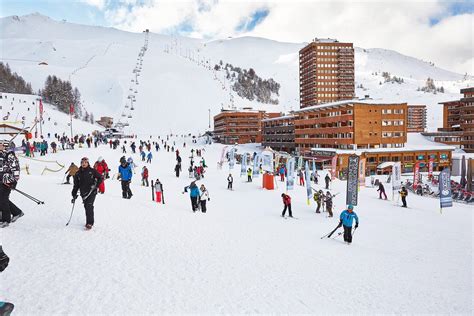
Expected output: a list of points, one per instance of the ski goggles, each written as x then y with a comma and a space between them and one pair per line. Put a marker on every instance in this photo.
85, 159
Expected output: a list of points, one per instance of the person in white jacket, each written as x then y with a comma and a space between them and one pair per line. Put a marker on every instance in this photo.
203, 198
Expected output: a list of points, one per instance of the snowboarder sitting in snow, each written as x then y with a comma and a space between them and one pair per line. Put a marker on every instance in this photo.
287, 203
403, 193
86, 181
71, 171
145, 176
230, 180
381, 191
193, 194
346, 219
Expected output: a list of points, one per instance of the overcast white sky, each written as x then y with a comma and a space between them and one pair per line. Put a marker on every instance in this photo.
432, 30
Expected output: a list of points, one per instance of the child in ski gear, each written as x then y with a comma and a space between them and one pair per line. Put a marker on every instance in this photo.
9, 176
193, 194
345, 220
230, 180
287, 203
158, 190
328, 201
145, 176
102, 169
86, 181
71, 171
403, 193
203, 198
125, 176
249, 175
381, 191
327, 179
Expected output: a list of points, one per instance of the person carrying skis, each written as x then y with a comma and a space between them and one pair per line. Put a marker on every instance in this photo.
203, 198
86, 181
287, 203
328, 202
158, 190
381, 191
149, 157
71, 171
193, 194
5, 307
249, 175
403, 193
125, 176
346, 220
145, 176
230, 180
9, 176
318, 198
327, 179
101, 166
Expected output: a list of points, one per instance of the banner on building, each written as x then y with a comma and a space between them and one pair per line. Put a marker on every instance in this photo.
430, 168
362, 172
290, 174
232, 158
333, 167
243, 165
416, 175
396, 176
267, 161
352, 180
307, 173
445, 197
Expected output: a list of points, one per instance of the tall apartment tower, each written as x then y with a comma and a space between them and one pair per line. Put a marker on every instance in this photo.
326, 72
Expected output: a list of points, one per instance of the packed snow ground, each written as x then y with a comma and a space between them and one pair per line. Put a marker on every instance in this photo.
239, 257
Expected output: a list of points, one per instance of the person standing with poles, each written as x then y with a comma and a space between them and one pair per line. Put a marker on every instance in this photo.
125, 175
328, 202
159, 191
346, 220
9, 176
327, 179
230, 180
86, 181
203, 198
403, 193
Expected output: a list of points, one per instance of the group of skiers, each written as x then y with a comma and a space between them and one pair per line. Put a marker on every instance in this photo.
324, 202
199, 196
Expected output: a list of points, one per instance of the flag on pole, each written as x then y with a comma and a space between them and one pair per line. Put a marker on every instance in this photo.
445, 197
290, 174
71, 109
256, 163
352, 180
243, 165
416, 175
41, 109
307, 173
232, 158
333, 167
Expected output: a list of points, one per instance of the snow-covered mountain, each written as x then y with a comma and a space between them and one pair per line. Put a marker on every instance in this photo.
178, 80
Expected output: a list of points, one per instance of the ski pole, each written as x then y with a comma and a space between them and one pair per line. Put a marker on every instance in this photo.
29, 196
353, 232
72, 211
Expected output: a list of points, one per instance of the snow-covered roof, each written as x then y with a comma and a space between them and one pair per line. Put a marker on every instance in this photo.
385, 164
345, 102
279, 118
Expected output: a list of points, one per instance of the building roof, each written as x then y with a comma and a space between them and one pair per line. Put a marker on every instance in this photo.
346, 102
470, 89
279, 118
384, 150
449, 101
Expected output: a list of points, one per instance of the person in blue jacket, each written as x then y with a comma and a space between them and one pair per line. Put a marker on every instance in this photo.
149, 157
125, 175
346, 219
194, 194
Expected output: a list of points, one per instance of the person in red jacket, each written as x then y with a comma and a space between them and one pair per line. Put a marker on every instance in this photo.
287, 203
102, 168
145, 176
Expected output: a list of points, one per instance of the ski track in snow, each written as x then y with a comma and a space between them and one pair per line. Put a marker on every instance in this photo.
240, 257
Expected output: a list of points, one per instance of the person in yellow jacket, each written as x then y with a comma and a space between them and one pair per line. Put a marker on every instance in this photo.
71, 171
249, 175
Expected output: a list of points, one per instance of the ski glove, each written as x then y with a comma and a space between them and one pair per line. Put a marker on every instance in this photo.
340, 224
357, 225
208, 199
3, 260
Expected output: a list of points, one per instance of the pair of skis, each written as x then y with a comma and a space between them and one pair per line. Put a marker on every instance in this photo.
153, 192
338, 234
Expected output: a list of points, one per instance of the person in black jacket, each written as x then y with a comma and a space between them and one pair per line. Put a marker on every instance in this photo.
86, 181
9, 176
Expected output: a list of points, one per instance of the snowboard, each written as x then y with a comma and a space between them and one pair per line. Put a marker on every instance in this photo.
6, 308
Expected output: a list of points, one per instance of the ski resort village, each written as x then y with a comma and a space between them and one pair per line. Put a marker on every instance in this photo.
236, 157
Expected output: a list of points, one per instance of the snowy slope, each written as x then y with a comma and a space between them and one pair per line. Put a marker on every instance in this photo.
16, 108
177, 79
240, 257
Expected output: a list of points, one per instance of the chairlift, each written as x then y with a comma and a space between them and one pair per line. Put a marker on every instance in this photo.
123, 114
136, 91
132, 108
126, 124
133, 80
126, 106
130, 116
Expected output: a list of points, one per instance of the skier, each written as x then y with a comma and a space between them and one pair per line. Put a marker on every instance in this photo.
145, 176
149, 157
5, 308
328, 201
345, 220
203, 198
143, 155
315, 177
381, 191
318, 198
249, 175
191, 172
287, 202
71, 171
177, 168
125, 175
230, 180
9, 176
102, 168
282, 173
327, 179
86, 181
301, 177
403, 193
193, 194
158, 190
